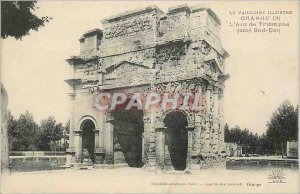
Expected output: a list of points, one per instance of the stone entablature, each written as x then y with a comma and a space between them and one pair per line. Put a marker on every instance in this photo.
150, 47
149, 50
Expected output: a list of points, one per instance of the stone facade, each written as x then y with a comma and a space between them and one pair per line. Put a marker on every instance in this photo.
4, 132
148, 50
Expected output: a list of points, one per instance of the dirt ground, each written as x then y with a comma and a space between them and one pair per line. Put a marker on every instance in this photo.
134, 180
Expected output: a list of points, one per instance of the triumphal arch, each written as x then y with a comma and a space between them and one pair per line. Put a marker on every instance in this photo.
140, 52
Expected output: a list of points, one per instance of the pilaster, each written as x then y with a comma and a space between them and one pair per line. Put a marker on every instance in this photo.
160, 147
78, 145
221, 114
71, 150
215, 120
149, 141
109, 142
99, 139
190, 130
197, 131
207, 119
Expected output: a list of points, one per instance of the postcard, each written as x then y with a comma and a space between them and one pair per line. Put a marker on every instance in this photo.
149, 96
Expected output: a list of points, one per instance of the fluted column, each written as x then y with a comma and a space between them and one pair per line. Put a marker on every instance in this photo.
78, 145
207, 118
190, 130
71, 150
109, 142
221, 113
149, 141
215, 120
99, 139
197, 131
197, 142
101, 129
72, 120
160, 147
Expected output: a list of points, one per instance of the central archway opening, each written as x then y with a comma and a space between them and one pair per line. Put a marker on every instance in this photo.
176, 139
88, 141
128, 131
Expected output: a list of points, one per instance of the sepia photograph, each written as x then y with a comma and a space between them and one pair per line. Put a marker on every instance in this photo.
149, 96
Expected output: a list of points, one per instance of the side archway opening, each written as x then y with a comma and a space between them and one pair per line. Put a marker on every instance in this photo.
88, 140
176, 139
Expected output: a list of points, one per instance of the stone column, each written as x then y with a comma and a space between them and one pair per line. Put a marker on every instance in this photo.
71, 150
221, 114
198, 138
168, 166
143, 148
197, 141
190, 130
109, 142
96, 132
197, 131
101, 129
100, 147
160, 147
207, 119
149, 141
78, 145
215, 120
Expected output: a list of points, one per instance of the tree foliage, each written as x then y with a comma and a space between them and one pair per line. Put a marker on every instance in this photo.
50, 133
17, 18
282, 127
24, 134
250, 142
12, 133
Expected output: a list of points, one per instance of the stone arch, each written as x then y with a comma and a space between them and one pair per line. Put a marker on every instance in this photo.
176, 140
87, 134
186, 113
85, 118
128, 128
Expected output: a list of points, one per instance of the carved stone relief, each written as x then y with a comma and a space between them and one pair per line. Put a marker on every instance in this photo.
129, 27
172, 51
205, 48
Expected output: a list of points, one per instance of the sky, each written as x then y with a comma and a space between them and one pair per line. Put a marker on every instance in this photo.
263, 68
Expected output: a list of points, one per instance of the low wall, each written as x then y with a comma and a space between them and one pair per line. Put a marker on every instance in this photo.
208, 161
36, 153
37, 163
242, 163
